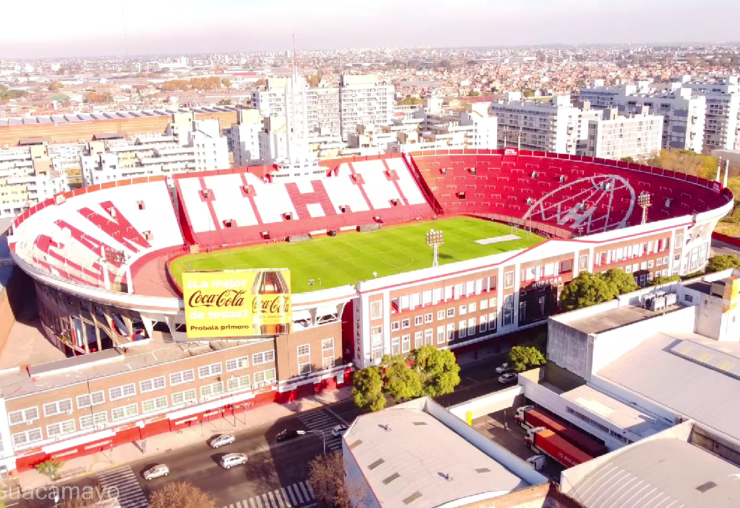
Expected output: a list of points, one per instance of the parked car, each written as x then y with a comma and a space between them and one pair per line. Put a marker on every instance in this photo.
221, 440
156, 472
509, 377
285, 434
338, 430
233, 459
504, 368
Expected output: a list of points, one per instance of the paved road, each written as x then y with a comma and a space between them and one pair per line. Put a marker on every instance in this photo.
276, 473
724, 249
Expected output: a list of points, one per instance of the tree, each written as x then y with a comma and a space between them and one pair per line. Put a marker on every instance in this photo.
410, 101
525, 357
332, 487
367, 389
401, 382
226, 82
585, 290
627, 159
439, 371
657, 281
687, 162
473, 93
623, 282
180, 495
224, 102
528, 92
98, 98
55, 86
50, 468
719, 263
313, 80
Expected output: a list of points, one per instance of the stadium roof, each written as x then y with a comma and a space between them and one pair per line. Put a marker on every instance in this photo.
410, 458
110, 115
665, 473
663, 370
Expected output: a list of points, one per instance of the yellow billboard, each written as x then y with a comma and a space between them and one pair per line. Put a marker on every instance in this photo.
237, 303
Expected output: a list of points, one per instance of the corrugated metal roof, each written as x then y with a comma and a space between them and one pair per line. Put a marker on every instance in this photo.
704, 394
108, 115
665, 473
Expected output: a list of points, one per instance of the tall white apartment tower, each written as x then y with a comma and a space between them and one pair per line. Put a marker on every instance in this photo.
722, 129
364, 100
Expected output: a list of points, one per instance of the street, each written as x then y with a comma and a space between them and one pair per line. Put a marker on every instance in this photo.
275, 475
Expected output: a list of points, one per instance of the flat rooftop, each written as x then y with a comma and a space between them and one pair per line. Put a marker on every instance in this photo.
664, 472
411, 459
687, 373
615, 318
620, 414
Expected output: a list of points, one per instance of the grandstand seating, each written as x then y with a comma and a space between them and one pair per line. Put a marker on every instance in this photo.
240, 207
122, 222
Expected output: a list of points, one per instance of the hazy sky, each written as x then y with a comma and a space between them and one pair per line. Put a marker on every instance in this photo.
93, 27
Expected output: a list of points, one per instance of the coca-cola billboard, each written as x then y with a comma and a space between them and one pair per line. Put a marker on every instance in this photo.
237, 303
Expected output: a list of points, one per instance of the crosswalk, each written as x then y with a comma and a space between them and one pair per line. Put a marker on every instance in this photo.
121, 481
297, 495
321, 420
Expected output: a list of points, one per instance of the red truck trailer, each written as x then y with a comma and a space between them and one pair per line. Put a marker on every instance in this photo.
546, 442
530, 417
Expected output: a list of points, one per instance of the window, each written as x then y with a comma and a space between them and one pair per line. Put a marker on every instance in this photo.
120, 413
211, 390
462, 331
679, 241
151, 405
265, 376
441, 337
376, 309
492, 304
395, 345
93, 420
29, 436
688, 298
471, 307
376, 339
150, 385
463, 310
237, 364
304, 359
211, 370
406, 323
395, 326
263, 357
183, 397
90, 399
24, 415
428, 318
471, 327
451, 312
58, 408
522, 311
483, 326
418, 320
440, 315
406, 343
508, 310
327, 353
483, 304
418, 339
178, 378
450, 332
57, 429
238, 383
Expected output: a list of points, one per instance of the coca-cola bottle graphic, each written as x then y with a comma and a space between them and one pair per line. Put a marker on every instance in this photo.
268, 285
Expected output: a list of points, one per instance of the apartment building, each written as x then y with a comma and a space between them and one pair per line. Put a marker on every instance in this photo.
322, 111
684, 114
364, 100
245, 138
532, 125
616, 137
27, 177
185, 146
722, 129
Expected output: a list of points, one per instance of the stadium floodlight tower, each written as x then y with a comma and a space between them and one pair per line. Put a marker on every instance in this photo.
434, 240
644, 201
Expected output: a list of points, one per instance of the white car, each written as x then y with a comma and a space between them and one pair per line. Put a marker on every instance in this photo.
338, 430
509, 377
233, 459
504, 368
221, 440
156, 472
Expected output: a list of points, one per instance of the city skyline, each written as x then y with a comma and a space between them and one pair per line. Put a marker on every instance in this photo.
80, 29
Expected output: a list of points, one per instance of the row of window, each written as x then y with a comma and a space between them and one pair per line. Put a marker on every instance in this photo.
100, 419
443, 314
146, 386
602, 428
633, 251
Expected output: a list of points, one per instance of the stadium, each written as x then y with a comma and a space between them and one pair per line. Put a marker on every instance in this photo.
107, 262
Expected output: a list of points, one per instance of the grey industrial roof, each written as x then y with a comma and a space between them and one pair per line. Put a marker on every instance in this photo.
110, 115
421, 463
615, 318
618, 413
662, 369
660, 473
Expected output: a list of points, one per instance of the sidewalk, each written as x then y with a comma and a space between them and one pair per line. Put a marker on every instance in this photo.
169, 441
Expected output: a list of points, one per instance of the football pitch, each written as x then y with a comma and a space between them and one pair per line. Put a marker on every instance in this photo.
350, 257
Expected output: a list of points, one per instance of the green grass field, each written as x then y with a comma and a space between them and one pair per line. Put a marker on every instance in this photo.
350, 257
